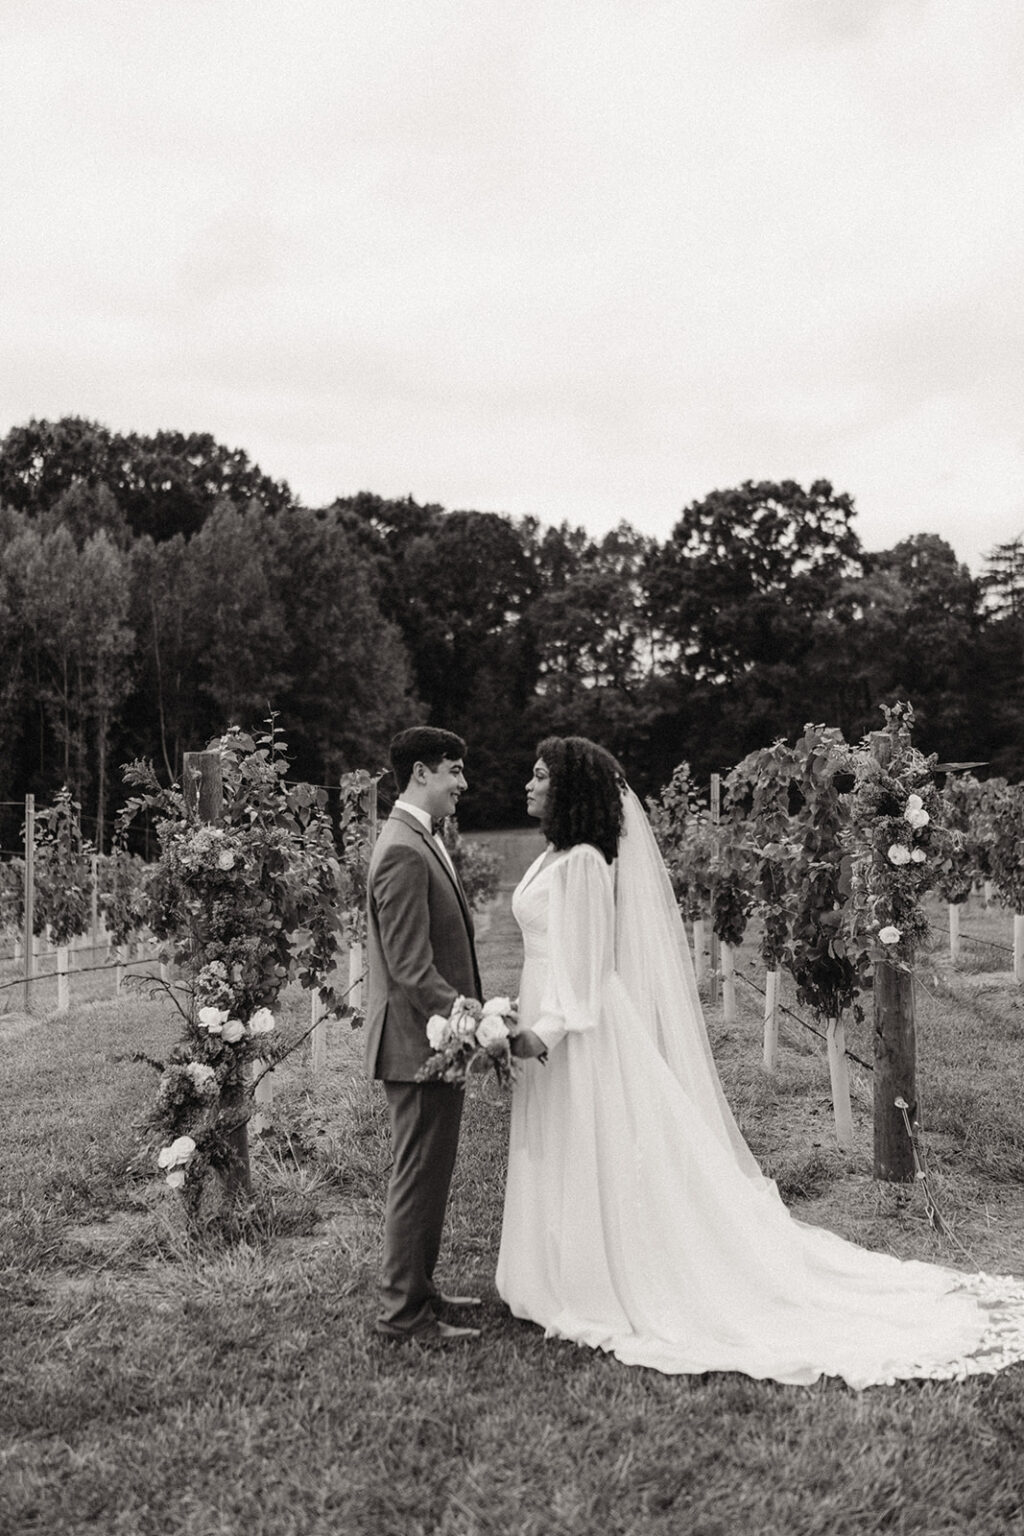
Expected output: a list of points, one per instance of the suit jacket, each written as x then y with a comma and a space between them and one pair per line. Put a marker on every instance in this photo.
419, 947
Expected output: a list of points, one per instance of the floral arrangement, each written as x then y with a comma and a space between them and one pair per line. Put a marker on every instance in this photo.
899, 842
247, 904
474, 1036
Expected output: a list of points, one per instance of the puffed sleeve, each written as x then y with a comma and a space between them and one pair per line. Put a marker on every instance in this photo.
581, 929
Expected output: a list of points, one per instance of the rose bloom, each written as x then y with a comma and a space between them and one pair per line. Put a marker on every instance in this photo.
899, 854
179, 1151
914, 802
176, 1178
226, 859
212, 1019
262, 1022
437, 1031
499, 1005
916, 817
491, 1030
919, 856
890, 935
233, 1031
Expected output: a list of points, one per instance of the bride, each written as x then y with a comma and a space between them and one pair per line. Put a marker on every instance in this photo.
636, 1219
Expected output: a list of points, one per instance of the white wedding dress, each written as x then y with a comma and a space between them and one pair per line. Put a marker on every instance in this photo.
636, 1219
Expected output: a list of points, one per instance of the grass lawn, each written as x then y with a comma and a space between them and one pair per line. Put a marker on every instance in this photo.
154, 1389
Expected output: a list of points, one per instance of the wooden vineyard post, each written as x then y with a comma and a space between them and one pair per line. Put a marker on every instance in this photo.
700, 957
1018, 946
728, 983
716, 816
30, 897
954, 933
63, 991
204, 798
838, 1069
318, 1039
895, 1075
771, 1019
94, 907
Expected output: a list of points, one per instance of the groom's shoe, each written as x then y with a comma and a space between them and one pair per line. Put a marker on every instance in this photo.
447, 1333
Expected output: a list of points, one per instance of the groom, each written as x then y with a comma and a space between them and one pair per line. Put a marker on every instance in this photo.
421, 957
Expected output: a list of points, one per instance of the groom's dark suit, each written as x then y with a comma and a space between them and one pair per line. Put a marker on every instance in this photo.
420, 958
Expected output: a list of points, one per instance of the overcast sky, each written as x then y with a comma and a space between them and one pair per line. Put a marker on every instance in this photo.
586, 259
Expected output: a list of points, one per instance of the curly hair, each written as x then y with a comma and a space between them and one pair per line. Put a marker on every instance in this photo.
584, 803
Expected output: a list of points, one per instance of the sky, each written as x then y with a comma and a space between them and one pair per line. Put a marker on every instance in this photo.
580, 259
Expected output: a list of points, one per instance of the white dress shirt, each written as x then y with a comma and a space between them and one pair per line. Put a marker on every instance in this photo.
427, 822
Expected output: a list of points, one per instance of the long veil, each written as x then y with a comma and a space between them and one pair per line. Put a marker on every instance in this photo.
652, 957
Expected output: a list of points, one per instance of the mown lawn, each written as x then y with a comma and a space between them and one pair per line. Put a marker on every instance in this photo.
151, 1389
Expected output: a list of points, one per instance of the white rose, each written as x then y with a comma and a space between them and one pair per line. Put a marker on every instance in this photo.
437, 1031
899, 854
890, 935
262, 1022
212, 1019
919, 856
226, 859
233, 1031
498, 1005
179, 1151
490, 1030
914, 803
916, 818
176, 1178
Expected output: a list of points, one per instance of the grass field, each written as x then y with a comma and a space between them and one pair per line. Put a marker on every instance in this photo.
153, 1389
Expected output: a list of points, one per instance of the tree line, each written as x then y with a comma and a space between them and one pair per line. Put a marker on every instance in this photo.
155, 590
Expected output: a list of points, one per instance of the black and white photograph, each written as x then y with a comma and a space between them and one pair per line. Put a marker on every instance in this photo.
511, 768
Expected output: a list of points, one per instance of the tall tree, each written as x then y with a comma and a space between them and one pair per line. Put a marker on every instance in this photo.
745, 572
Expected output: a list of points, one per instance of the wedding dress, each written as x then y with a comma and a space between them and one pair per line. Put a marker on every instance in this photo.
637, 1220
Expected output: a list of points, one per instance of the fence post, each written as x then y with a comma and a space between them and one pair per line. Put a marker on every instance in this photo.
728, 984
318, 1039
700, 958
895, 1075
63, 991
30, 897
1018, 946
835, 1035
716, 817
203, 788
954, 933
771, 1020
94, 908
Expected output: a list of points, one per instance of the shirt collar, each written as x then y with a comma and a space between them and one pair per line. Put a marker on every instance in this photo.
424, 819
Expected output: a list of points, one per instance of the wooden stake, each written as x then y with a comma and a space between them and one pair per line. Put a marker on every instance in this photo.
700, 954
835, 1035
771, 1020
318, 1039
30, 897
63, 998
895, 1075
355, 977
728, 984
716, 816
1018, 946
954, 932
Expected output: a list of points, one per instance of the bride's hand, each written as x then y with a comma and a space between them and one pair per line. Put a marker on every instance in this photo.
527, 1043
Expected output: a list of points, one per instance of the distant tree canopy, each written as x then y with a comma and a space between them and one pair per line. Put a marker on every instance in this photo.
155, 589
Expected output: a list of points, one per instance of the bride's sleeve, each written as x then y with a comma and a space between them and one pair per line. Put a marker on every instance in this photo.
581, 929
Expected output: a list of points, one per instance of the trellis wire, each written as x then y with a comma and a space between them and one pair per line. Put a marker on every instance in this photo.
803, 1022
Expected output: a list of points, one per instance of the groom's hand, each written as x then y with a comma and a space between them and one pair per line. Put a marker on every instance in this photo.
526, 1043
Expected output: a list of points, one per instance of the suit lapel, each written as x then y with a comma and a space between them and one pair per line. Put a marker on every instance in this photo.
432, 848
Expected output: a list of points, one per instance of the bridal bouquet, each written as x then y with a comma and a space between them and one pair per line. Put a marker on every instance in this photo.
473, 1037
